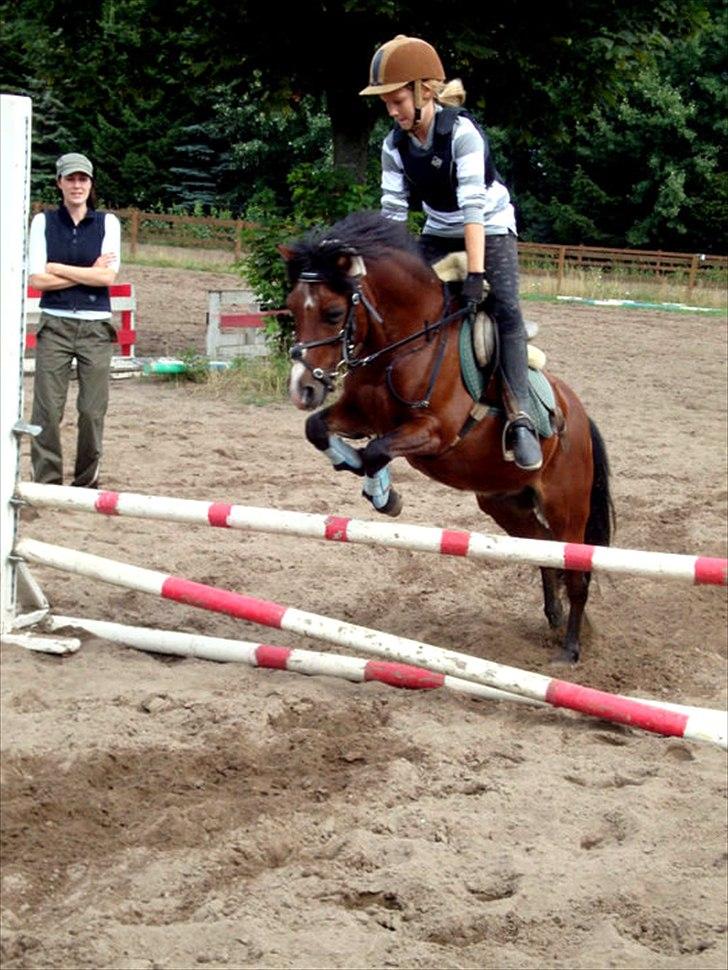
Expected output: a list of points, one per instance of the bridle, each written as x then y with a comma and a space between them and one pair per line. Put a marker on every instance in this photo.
347, 338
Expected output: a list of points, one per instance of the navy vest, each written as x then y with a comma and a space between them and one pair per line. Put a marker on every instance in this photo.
431, 172
75, 245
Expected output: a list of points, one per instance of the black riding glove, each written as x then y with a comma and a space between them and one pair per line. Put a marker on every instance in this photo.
473, 290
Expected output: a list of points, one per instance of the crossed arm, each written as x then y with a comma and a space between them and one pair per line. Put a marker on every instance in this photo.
44, 275
60, 276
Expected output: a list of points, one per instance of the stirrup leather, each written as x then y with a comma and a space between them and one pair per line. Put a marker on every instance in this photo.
520, 418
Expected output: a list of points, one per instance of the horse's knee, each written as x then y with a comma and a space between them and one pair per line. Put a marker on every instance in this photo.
316, 431
375, 457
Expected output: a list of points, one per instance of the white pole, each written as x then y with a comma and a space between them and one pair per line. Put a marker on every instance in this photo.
704, 725
15, 144
311, 662
474, 545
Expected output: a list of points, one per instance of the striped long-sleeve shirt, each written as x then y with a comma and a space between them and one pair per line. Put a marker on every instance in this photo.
490, 207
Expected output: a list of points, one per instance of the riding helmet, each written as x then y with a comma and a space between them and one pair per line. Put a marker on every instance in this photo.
401, 61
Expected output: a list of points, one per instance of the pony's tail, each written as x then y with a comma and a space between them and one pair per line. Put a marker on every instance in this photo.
602, 519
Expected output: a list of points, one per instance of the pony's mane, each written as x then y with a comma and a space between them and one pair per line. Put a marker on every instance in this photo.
365, 234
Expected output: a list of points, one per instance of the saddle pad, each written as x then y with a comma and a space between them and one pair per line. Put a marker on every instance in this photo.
542, 402
452, 268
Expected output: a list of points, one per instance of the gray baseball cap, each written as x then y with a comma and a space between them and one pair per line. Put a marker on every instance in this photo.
73, 162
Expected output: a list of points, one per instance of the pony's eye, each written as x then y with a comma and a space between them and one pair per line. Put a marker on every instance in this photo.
334, 315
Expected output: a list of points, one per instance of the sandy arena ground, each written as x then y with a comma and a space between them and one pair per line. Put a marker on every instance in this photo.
167, 813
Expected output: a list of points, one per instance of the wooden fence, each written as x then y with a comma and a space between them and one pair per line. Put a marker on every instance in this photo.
555, 260
203, 232
207, 232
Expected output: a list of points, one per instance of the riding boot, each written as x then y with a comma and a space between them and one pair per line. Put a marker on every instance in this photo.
520, 439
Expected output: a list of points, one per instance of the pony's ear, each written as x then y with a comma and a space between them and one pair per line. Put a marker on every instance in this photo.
286, 252
351, 264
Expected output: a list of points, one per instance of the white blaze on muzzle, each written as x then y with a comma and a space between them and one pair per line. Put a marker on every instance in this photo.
294, 382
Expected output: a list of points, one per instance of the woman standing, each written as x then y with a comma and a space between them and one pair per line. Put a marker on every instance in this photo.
437, 157
73, 259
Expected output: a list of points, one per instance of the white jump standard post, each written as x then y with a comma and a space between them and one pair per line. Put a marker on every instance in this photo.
15, 138
15, 120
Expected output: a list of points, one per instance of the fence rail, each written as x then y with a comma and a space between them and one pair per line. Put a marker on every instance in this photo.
550, 258
540, 258
201, 231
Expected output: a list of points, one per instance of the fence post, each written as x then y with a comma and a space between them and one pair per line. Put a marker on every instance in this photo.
560, 271
693, 275
134, 231
238, 230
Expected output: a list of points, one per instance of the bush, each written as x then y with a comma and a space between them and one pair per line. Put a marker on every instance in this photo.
321, 195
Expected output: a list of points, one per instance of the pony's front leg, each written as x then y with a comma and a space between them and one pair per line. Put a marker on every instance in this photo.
377, 486
415, 438
341, 455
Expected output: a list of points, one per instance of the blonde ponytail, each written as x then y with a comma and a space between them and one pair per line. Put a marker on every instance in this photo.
451, 94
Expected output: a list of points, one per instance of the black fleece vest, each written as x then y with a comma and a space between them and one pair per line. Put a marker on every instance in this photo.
75, 245
431, 172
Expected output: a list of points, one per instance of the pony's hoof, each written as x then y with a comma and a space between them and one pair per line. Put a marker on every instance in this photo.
393, 506
565, 658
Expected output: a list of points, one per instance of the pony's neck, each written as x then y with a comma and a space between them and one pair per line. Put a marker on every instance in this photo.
406, 293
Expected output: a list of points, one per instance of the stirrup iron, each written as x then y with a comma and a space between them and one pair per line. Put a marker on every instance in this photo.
520, 418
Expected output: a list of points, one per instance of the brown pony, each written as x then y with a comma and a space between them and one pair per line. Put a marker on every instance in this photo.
369, 309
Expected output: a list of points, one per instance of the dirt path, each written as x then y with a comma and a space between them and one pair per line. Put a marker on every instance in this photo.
175, 813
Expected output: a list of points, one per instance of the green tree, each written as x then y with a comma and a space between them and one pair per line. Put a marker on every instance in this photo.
645, 170
222, 102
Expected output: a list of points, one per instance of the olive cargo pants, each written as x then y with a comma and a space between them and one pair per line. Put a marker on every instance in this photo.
60, 340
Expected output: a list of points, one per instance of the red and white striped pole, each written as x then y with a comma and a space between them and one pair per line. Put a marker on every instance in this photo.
311, 662
296, 660
701, 725
697, 570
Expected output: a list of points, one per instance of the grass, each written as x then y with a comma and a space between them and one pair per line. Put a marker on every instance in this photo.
595, 284
249, 380
181, 257
253, 380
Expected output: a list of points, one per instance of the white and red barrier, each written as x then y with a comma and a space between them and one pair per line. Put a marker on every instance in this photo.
236, 325
702, 725
295, 660
561, 555
123, 302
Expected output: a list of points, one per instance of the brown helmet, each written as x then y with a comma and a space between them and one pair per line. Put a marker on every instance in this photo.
401, 61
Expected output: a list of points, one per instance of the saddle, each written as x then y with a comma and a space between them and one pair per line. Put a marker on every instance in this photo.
478, 356
453, 268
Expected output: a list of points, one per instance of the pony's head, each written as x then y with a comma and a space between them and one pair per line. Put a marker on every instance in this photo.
327, 270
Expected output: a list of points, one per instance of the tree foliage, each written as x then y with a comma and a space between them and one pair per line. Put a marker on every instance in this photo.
606, 118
